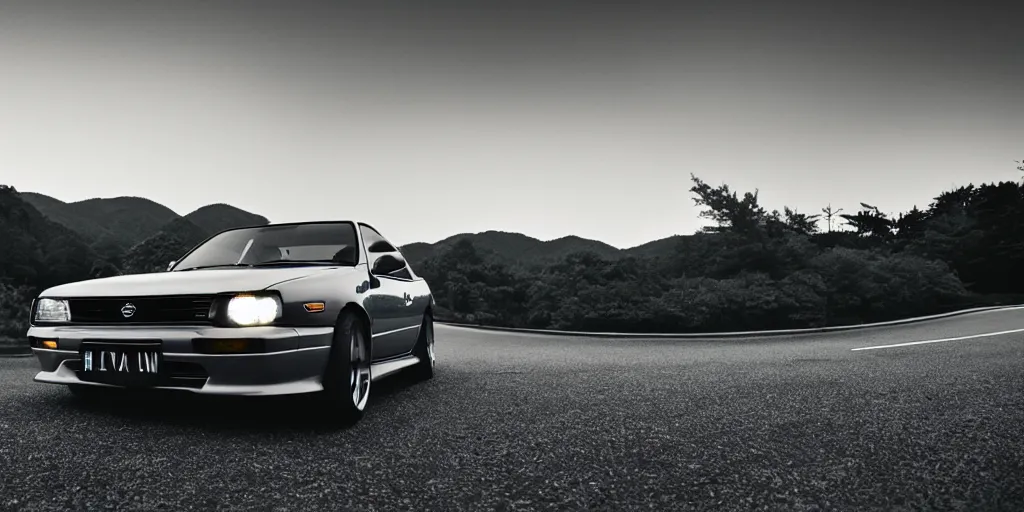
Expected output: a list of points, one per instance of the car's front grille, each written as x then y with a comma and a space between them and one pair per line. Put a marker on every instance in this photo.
180, 309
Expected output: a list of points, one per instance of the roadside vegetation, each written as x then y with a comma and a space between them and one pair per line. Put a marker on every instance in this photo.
753, 269
758, 269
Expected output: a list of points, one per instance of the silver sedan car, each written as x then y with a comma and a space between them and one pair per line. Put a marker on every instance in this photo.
319, 307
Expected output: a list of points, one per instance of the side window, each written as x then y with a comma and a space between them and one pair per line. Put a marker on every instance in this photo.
374, 242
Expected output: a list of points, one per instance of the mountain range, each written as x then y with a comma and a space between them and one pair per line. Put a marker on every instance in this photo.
517, 248
135, 233
761, 271
141, 235
48, 242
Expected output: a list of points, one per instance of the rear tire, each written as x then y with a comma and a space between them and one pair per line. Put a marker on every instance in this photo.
347, 378
424, 370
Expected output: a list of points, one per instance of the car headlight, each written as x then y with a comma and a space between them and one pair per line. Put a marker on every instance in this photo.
249, 310
52, 310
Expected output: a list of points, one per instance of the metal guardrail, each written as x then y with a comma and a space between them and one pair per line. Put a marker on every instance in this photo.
16, 350
739, 334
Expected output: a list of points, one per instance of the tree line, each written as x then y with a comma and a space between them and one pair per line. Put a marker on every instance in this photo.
757, 269
751, 269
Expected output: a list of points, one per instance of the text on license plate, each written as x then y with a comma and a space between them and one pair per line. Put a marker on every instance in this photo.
120, 362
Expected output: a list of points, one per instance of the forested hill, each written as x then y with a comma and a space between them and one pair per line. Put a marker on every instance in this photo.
110, 225
516, 248
755, 268
48, 242
115, 225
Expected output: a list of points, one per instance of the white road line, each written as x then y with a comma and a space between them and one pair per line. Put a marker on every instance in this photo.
984, 335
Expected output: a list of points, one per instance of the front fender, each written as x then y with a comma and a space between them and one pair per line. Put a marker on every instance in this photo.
335, 289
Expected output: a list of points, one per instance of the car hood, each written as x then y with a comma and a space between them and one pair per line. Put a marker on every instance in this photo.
192, 282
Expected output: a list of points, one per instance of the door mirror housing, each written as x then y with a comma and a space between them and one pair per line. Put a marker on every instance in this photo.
387, 264
380, 246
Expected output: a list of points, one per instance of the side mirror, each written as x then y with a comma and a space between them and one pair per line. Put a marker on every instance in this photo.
170, 265
380, 246
387, 264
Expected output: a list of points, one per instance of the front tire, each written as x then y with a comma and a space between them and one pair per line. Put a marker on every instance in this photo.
347, 378
424, 370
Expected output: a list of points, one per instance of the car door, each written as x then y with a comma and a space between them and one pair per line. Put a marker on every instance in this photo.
389, 301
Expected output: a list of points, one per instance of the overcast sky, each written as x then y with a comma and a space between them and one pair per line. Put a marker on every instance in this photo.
550, 121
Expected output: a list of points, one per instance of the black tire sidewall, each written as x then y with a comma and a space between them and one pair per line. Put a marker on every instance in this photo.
337, 388
425, 368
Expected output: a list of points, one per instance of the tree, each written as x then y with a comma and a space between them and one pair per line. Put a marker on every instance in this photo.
800, 222
870, 222
725, 207
910, 225
830, 214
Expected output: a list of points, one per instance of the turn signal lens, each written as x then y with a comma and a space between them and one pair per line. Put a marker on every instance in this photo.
313, 307
50, 344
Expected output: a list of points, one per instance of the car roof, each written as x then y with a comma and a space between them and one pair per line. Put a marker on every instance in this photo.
324, 221
299, 223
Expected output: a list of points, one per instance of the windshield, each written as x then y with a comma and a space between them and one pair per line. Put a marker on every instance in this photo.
315, 243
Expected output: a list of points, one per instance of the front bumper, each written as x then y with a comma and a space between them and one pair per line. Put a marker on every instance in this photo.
293, 362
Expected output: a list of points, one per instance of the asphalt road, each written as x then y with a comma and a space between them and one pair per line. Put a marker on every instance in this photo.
526, 422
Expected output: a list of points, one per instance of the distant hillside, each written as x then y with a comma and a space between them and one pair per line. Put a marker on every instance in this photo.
561, 247
36, 250
658, 248
526, 250
512, 247
135, 232
215, 218
417, 252
757, 270
110, 225
141, 235
36, 253
182, 234
509, 246
99, 237
143, 232
132, 218
156, 252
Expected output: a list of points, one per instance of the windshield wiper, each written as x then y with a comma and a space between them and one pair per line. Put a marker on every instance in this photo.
268, 263
200, 267
294, 262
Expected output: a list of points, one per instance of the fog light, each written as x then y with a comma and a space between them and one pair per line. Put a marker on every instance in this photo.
208, 346
232, 346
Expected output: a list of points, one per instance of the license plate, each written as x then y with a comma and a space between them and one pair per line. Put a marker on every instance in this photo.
121, 364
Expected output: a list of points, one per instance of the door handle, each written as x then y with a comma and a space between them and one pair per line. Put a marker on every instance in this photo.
408, 299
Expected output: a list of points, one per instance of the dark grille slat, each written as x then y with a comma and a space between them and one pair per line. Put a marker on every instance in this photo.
148, 310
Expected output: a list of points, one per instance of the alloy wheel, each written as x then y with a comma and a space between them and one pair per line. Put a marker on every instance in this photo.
359, 370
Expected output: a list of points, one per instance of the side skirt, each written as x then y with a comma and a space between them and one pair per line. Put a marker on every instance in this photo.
391, 366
